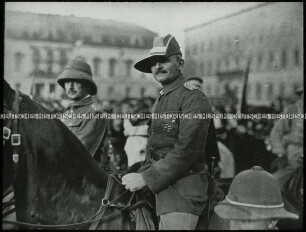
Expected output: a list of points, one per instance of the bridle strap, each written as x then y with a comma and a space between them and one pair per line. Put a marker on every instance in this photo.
98, 219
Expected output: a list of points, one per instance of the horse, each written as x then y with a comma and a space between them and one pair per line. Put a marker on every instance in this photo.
56, 182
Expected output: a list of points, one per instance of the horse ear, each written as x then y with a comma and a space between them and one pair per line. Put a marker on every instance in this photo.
6, 86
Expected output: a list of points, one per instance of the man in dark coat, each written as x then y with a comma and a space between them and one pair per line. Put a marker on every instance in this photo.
175, 167
79, 86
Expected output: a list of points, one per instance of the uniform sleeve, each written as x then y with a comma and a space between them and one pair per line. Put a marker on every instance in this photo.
92, 133
187, 151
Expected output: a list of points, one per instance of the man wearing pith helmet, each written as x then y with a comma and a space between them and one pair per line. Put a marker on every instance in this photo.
175, 167
254, 202
78, 83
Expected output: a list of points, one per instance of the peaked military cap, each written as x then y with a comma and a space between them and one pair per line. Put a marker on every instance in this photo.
254, 195
78, 69
162, 46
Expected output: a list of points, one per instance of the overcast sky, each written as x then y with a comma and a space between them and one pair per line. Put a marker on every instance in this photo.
160, 17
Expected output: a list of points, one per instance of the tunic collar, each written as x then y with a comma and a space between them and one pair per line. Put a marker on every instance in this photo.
173, 85
85, 101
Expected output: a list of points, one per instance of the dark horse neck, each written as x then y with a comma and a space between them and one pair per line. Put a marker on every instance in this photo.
56, 181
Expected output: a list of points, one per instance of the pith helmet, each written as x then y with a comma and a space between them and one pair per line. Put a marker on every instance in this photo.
78, 69
162, 46
254, 195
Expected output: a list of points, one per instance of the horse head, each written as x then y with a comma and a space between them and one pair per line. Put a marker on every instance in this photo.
55, 179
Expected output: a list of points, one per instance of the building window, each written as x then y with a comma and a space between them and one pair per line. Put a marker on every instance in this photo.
50, 60
39, 88
129, 68
63, 60
112, 64
52, 88
296, 57
258, 91
209, 68
284, 58
270, 90
97, 66
36, 58
18, 61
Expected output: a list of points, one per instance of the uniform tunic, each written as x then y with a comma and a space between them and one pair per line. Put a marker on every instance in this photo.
92, 131
174, 168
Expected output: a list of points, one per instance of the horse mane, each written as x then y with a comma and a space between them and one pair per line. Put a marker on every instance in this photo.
56, 179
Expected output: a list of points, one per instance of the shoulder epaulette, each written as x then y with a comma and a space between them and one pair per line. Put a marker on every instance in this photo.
95, 107
189, 86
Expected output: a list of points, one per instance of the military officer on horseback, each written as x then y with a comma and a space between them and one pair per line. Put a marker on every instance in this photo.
175, 167
78, 83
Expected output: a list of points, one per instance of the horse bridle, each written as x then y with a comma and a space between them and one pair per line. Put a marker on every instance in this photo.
99, 215
12, 133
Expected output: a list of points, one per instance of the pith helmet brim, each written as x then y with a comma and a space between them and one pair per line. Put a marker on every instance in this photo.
72, 74
229, 211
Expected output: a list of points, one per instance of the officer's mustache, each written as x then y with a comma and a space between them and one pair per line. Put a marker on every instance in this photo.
160, 71
71, 91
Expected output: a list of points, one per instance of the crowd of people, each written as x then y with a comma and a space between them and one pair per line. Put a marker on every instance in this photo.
248, 141
173, 156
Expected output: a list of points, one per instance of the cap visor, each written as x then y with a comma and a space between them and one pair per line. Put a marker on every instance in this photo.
145, 64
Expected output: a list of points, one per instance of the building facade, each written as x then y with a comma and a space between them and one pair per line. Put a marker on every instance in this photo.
38, 47
270, 34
